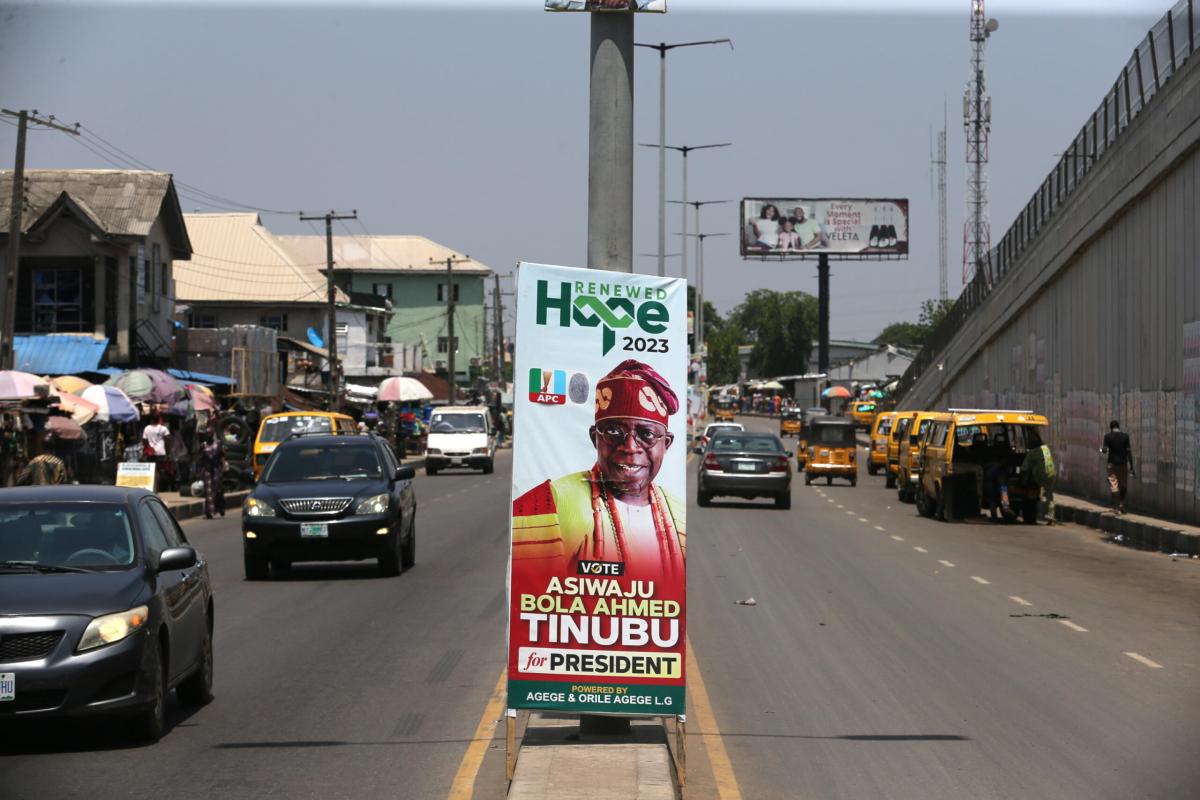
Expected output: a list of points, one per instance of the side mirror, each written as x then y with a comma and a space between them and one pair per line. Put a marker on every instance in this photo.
405, 473
176, 558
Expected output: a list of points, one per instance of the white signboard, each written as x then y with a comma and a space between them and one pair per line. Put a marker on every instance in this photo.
136, 476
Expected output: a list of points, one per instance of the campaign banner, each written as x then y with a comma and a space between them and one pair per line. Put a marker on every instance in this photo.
597, 565
807, 227
656, 6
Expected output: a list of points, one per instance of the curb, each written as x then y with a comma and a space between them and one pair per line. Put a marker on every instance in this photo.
1152, 534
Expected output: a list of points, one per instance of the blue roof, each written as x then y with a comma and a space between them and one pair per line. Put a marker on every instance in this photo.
201, 377
59, 353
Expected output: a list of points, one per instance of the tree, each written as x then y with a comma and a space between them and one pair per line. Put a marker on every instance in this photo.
933, 312
781, 326
712, 319
723, 362
903, 334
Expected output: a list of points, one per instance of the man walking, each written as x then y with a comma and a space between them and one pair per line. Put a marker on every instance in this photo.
1120, 464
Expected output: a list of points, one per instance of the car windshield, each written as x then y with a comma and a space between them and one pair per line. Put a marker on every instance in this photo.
276, 429
725, 443
714, 429
832, 435
458, 423
79, 535
314, 462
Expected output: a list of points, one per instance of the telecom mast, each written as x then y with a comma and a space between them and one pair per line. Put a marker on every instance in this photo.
977, 120
943, 238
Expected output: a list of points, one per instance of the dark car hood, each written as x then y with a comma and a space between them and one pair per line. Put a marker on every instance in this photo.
290, 490
90, 593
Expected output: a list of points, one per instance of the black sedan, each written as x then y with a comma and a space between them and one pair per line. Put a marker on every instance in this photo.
331, 498
745, 464
104, 607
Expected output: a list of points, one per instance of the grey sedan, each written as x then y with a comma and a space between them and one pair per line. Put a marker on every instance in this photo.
747, 465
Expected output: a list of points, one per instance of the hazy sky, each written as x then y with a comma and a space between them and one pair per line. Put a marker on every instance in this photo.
467, 121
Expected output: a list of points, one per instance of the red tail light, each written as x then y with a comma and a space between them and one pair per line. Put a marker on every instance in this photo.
710, 462
781, 464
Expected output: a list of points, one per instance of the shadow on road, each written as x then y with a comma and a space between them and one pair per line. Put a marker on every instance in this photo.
328, 571
99, 734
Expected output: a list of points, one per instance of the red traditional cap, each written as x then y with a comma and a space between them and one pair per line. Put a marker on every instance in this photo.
635, 391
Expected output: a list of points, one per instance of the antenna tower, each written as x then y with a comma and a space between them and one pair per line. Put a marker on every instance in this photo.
977, 121
943, 237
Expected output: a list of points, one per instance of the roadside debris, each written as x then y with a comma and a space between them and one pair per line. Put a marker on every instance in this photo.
749, 601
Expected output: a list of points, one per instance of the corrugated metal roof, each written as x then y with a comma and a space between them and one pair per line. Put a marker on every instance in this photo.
123, 202
201, 377
235, 259
403, 253
59, 353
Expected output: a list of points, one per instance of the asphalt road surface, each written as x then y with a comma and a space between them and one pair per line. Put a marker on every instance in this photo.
330, 683
894, 656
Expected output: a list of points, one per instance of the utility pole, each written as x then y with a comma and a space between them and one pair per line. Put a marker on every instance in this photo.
450, 345
335, 394
8, 283
498, 331
662, 48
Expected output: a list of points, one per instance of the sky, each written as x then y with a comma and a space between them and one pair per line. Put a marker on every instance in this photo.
467, 121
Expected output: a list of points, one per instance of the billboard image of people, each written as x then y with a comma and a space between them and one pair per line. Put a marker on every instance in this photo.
658, 6
801, 226
597, 570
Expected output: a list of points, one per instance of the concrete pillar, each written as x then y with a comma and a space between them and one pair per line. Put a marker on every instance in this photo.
610, 144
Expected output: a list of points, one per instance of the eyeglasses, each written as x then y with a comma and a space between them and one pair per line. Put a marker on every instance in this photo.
616, 435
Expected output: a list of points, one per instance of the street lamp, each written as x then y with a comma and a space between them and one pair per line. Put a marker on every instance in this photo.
698, 341
662, 48
685, 149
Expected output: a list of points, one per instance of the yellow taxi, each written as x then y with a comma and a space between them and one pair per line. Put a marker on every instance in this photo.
969, 458
863, 413
900, 426
790, 422
277, 427
832, 450
880, 434
909, 468
725, 410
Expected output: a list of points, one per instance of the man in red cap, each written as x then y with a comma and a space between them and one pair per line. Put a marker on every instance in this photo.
613, 512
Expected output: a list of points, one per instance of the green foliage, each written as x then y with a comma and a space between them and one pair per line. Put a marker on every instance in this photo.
781, 326
723, 362
903, 334
712, 318
934, 311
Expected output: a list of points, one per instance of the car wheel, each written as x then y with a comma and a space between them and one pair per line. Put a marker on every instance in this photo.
829, 480
196, 690
889, 482
148, 725
489, 467
703, 499
430, 470
872, 469
854, 481
389, 560
784, 500
408, 555
257, 567
808, 480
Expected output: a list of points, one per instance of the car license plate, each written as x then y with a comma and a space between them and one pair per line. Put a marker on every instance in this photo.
456, 462
8, 686
745, 467
314, 529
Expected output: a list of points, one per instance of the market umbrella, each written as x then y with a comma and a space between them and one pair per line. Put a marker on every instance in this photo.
64, 428
202, 397
836, 391
114, 405
875, 394
82, 411
17, 385
402, 390
148, 386
72, 384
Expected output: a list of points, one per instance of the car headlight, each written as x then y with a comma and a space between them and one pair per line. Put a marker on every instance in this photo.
258, 508
479, 451
433, 451
113, 628
373, 505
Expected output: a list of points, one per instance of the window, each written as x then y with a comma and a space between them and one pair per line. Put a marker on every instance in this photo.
444, 344
382, 289
175, 537
442, 292
154, 539
278, 322
58, 301
203, 320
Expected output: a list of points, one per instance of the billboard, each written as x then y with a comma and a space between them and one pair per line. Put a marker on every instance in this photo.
658, 6
798, 227
598, 541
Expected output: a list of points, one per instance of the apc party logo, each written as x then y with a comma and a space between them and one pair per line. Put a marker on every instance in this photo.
550, 387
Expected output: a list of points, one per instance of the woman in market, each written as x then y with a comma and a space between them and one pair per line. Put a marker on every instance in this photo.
210, 468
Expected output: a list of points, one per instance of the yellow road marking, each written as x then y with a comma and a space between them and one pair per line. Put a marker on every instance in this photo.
701, 711
464, 780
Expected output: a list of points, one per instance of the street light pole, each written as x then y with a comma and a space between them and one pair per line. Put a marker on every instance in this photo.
685, 149
662, 48
699, 338
696, 204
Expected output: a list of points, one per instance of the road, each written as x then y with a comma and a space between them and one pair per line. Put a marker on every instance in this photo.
887, 656
893, 656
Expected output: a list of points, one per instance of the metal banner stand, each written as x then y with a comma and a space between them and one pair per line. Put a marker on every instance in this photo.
510, 743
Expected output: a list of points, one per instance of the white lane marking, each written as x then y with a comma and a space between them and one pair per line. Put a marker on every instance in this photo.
828, 499
1144, 660
852, 513
1019, 600
839, 505
863, 519
880, 528
978, 579
1073, 626
945, 563
898, 538
920, 549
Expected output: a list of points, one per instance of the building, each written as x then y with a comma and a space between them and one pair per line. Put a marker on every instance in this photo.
410, 271
98, 254
243, 274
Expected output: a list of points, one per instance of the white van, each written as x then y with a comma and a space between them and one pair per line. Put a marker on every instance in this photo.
460, 436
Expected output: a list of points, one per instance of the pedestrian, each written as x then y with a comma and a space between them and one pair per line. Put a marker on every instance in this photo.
1038, 468
1120, 464
46, 469
210, 468
154, 446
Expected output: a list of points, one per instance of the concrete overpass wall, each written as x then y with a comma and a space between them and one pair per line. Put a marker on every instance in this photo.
1099, 318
